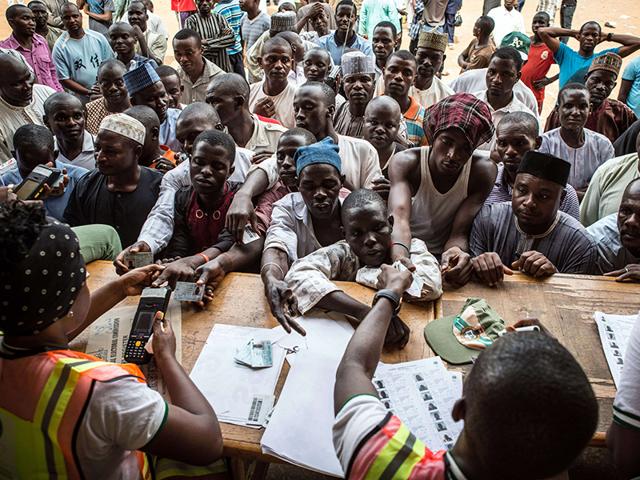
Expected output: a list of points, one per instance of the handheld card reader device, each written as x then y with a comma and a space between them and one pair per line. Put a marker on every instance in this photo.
32, 187
152, 300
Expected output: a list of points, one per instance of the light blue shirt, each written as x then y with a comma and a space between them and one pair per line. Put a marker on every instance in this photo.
632, 74
573, 66
612, 255
79, 59
55, 205
168, 130
329, 43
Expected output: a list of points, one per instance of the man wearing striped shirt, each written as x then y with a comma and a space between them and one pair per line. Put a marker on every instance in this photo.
230, 9
215, 33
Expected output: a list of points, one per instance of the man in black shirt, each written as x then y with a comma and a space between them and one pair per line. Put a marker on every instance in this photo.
119, 193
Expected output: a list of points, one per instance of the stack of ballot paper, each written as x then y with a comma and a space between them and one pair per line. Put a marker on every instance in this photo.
239, 395
615, 331
422, 394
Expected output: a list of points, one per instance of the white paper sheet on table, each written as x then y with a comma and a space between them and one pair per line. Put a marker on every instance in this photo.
422, 393
615, 331
300, 428
230, 388
109, 334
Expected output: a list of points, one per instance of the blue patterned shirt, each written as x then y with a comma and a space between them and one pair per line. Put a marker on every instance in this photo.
230, 9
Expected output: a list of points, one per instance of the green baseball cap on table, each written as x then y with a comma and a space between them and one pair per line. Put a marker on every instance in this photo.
458, 339
519, 41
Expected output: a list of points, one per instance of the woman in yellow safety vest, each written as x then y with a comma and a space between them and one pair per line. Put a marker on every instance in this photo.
65, 414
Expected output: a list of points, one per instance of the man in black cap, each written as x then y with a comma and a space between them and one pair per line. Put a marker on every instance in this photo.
529, 233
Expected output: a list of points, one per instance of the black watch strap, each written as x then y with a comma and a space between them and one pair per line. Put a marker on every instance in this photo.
390, 295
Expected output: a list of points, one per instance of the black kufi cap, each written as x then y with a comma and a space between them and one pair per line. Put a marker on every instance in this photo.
546, 166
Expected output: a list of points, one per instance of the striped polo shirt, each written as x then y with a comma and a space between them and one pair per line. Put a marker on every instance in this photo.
230, 9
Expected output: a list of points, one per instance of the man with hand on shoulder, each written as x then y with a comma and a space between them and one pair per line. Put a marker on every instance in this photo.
529, 233
617, 238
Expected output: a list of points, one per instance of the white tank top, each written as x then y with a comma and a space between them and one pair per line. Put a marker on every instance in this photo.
432, 212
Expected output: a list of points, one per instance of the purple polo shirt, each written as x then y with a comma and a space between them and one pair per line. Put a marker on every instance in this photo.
39, 57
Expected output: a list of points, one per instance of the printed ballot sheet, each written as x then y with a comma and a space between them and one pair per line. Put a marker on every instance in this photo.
239, 394
109, 334
422, 394
615, 331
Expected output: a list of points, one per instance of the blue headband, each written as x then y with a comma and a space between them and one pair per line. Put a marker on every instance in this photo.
324, 151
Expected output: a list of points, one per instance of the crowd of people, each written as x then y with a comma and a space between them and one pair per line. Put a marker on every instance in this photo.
308, 146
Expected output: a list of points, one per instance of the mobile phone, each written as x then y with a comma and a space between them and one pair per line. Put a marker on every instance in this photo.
152, 301
32, 187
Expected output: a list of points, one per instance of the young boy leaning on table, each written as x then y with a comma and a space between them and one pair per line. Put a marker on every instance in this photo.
66, 414
527, 406
367, 245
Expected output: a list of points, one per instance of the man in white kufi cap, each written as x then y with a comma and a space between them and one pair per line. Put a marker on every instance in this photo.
119, 192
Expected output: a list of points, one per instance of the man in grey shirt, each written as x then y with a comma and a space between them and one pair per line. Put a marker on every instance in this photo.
617, 238
529, 233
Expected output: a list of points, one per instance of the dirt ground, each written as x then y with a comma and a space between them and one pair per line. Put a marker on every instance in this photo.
625, 14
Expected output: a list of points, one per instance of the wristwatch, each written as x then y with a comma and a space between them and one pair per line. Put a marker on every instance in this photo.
390, 295
609, 36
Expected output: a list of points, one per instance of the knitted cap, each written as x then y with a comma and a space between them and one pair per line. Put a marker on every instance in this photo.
610, 61
283, 22
434, 40
140, 78
357, 62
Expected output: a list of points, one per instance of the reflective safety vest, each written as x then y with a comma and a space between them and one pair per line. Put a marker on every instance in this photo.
393, 452
43, 399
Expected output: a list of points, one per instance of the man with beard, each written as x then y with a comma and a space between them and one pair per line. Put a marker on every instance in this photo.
607, 116
358, 82
516, 134
529, 233
617, 238
427, 88
119, 192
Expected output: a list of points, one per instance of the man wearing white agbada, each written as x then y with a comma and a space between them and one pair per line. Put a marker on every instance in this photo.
119, 192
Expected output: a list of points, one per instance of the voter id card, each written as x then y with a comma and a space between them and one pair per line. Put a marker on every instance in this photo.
138, 259
255, 354
249, 235
188, 292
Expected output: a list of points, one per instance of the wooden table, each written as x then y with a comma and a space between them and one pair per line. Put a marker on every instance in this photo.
565, 303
